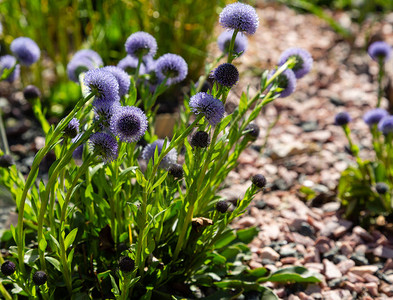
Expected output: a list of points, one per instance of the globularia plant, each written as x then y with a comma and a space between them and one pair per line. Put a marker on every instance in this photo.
118, 220
365, 189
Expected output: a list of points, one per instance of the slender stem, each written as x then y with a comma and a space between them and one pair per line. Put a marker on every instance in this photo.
381, 73
3, 135
138, 67
231, 45
4, 292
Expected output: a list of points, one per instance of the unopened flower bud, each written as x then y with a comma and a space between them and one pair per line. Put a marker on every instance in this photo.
176, 171
259, 180
200, 139
39, 278
222, 206
126, 264
6, 161
8, 268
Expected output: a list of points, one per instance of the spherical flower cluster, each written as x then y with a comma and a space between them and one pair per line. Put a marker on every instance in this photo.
176, 171
39, 278
224, 40
128, 123
8, 268
104, 112
374, 116
140, 44
386, 125
171, 66
303, 63
241, 17
286, 81
126, 264
342, 118
210, 107
252, 131
129, 65
200, 139
6, 161
122, 78
25, 50
83, 61
7, 62
379, 50
226, 74
259, 180
103, 84
104, 145
72, 128
31, 92
167, 161
222, 206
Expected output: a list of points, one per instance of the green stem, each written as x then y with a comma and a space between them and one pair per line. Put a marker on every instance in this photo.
3, 135
231, 45
381, 73
4, 292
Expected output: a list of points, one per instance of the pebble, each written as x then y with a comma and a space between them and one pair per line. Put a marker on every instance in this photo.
331, 270
345, 265
361, 270
269, 253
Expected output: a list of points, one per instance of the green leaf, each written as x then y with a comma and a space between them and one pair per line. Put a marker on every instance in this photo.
115, 289
70, 238
55, 241
132, 92
225, 239
247, 235
103, 275
140, 178
243, 103
159, 181
258, 272
31, 256
54, 262
42, 244
292, 274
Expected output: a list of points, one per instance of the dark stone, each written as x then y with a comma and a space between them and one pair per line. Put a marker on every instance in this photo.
334, 283
339, 258
267, 261
359, 259
306, 230
336, 102
260, 204
288, 252
331, 253
309, 126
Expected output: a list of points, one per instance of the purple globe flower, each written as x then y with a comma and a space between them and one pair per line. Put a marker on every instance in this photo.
226, 75
83, 61
103, 84
386, 125
374, 116
104, 111
25, 50
91, 55
129, 65
286, 81
72, 128
303, 60
167, 161
210, 107
140, 44
7, 62
224, 41
104, 145
342, 118
171, 66
128, 123
123, 79
379, 50
239, 16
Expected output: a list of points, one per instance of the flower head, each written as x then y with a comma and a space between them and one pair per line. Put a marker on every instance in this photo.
122, 78
39, 278
374, 116
72, 128
76, 66
8, 268
176, 171
141, 44
342, 118
224, 41
200, 139
379, 50
126, 264
386, 125
210, 107
259, 180
171, 66
7, 62
167, 161
31, 92
25, 50
104, 145
129, 65
93, 56
226, 74
239, 16
128, 123
222, 206
103, 84
286, 81
303, 60
252, 131
104, 111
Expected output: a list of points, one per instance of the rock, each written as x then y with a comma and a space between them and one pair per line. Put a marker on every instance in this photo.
246, 222
289, 260
343, 228
346, 248
345, 265
318, 267
354, 278
303, 240
361, 270
269, 253
339, 258
331, 271
372, 288
383, 251
331, 206
388, 265
329, 228
336, 282
363, 234
371, 278
337, 295
331, 253
322, 244
359, 259
304, 296
255, 265
306, 230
